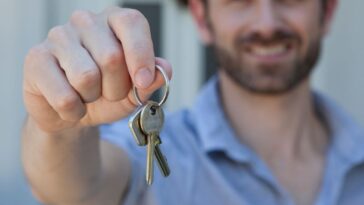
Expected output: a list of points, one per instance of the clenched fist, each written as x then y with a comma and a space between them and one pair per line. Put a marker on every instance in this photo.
82, 74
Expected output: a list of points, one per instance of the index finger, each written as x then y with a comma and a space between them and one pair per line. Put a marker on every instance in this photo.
132, 29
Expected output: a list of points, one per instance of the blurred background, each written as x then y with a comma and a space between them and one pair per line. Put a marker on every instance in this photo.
23, 24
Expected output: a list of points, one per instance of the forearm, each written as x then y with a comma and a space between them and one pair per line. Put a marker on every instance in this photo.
63, 168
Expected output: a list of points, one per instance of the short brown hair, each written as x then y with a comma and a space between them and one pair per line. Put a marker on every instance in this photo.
185, 2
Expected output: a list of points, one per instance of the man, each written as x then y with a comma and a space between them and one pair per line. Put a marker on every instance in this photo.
257, 134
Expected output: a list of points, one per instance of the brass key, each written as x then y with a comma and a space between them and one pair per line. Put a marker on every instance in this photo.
151, 122
134, 125
162, 161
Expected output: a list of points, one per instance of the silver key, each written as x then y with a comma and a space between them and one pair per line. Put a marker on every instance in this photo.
151, 122
151, 118
162, 161
134, 125
150, 150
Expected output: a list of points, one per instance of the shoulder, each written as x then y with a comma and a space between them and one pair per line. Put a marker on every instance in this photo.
346, 133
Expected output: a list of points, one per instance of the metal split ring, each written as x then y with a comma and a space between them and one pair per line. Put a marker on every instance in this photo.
166, 88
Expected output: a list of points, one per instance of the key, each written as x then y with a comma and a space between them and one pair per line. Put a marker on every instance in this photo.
134, 125
151, 122
162, 161
150, 151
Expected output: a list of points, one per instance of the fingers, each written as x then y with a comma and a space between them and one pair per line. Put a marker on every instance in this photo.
80, 69
87, 59
45, 78
158, 82
132, 29
106, 51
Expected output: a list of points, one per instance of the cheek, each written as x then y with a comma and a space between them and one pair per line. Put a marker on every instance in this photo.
227, 28
306, 22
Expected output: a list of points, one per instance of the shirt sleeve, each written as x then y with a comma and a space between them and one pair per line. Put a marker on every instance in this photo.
118, 133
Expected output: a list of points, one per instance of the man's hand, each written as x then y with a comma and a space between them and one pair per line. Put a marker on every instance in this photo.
80, 77
82, 74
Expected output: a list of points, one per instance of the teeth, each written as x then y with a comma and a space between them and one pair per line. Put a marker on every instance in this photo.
268, 51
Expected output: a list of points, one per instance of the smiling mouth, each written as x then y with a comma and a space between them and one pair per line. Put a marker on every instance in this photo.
275, 52
269, 50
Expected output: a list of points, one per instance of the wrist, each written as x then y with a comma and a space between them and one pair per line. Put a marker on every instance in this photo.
72, 132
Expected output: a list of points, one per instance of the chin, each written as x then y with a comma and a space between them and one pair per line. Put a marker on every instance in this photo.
269, 89
266, 85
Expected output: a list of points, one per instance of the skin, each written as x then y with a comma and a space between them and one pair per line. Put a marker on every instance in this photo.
78, 78
81, 76
290, 137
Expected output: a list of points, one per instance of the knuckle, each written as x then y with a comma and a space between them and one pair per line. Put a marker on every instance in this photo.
57, 33
67, 103
34, 55
132, 16
35, 52
87, 79
133, 13
82, 18
110, 60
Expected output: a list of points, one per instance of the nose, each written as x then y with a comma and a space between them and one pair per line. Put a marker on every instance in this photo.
266, 19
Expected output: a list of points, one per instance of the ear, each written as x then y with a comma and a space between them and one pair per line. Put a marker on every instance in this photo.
199, 13
329, 15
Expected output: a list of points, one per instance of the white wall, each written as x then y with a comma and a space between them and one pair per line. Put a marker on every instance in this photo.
24, 23
341, 71
183, 49
20, 28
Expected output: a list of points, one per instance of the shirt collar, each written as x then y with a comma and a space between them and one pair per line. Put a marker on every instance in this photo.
347, 136
212, 126
216, 134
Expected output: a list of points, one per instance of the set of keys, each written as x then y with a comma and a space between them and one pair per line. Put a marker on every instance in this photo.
145, 125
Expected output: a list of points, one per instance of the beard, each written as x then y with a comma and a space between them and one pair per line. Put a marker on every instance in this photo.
274, 78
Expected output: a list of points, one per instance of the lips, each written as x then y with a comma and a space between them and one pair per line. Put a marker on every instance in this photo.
269, 52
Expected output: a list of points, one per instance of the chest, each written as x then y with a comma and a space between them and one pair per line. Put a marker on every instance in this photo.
218, 180
300, 180
214, 180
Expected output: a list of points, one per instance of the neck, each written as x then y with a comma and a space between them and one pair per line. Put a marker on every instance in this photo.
282, 126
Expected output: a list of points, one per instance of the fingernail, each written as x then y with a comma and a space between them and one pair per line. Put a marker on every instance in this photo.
143, 78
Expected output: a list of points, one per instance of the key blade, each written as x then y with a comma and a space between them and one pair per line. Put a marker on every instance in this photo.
150, 153
161, 161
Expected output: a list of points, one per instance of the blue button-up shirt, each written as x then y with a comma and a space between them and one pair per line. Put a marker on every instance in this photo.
209, 166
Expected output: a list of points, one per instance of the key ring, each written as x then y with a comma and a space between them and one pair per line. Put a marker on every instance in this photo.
166, 89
